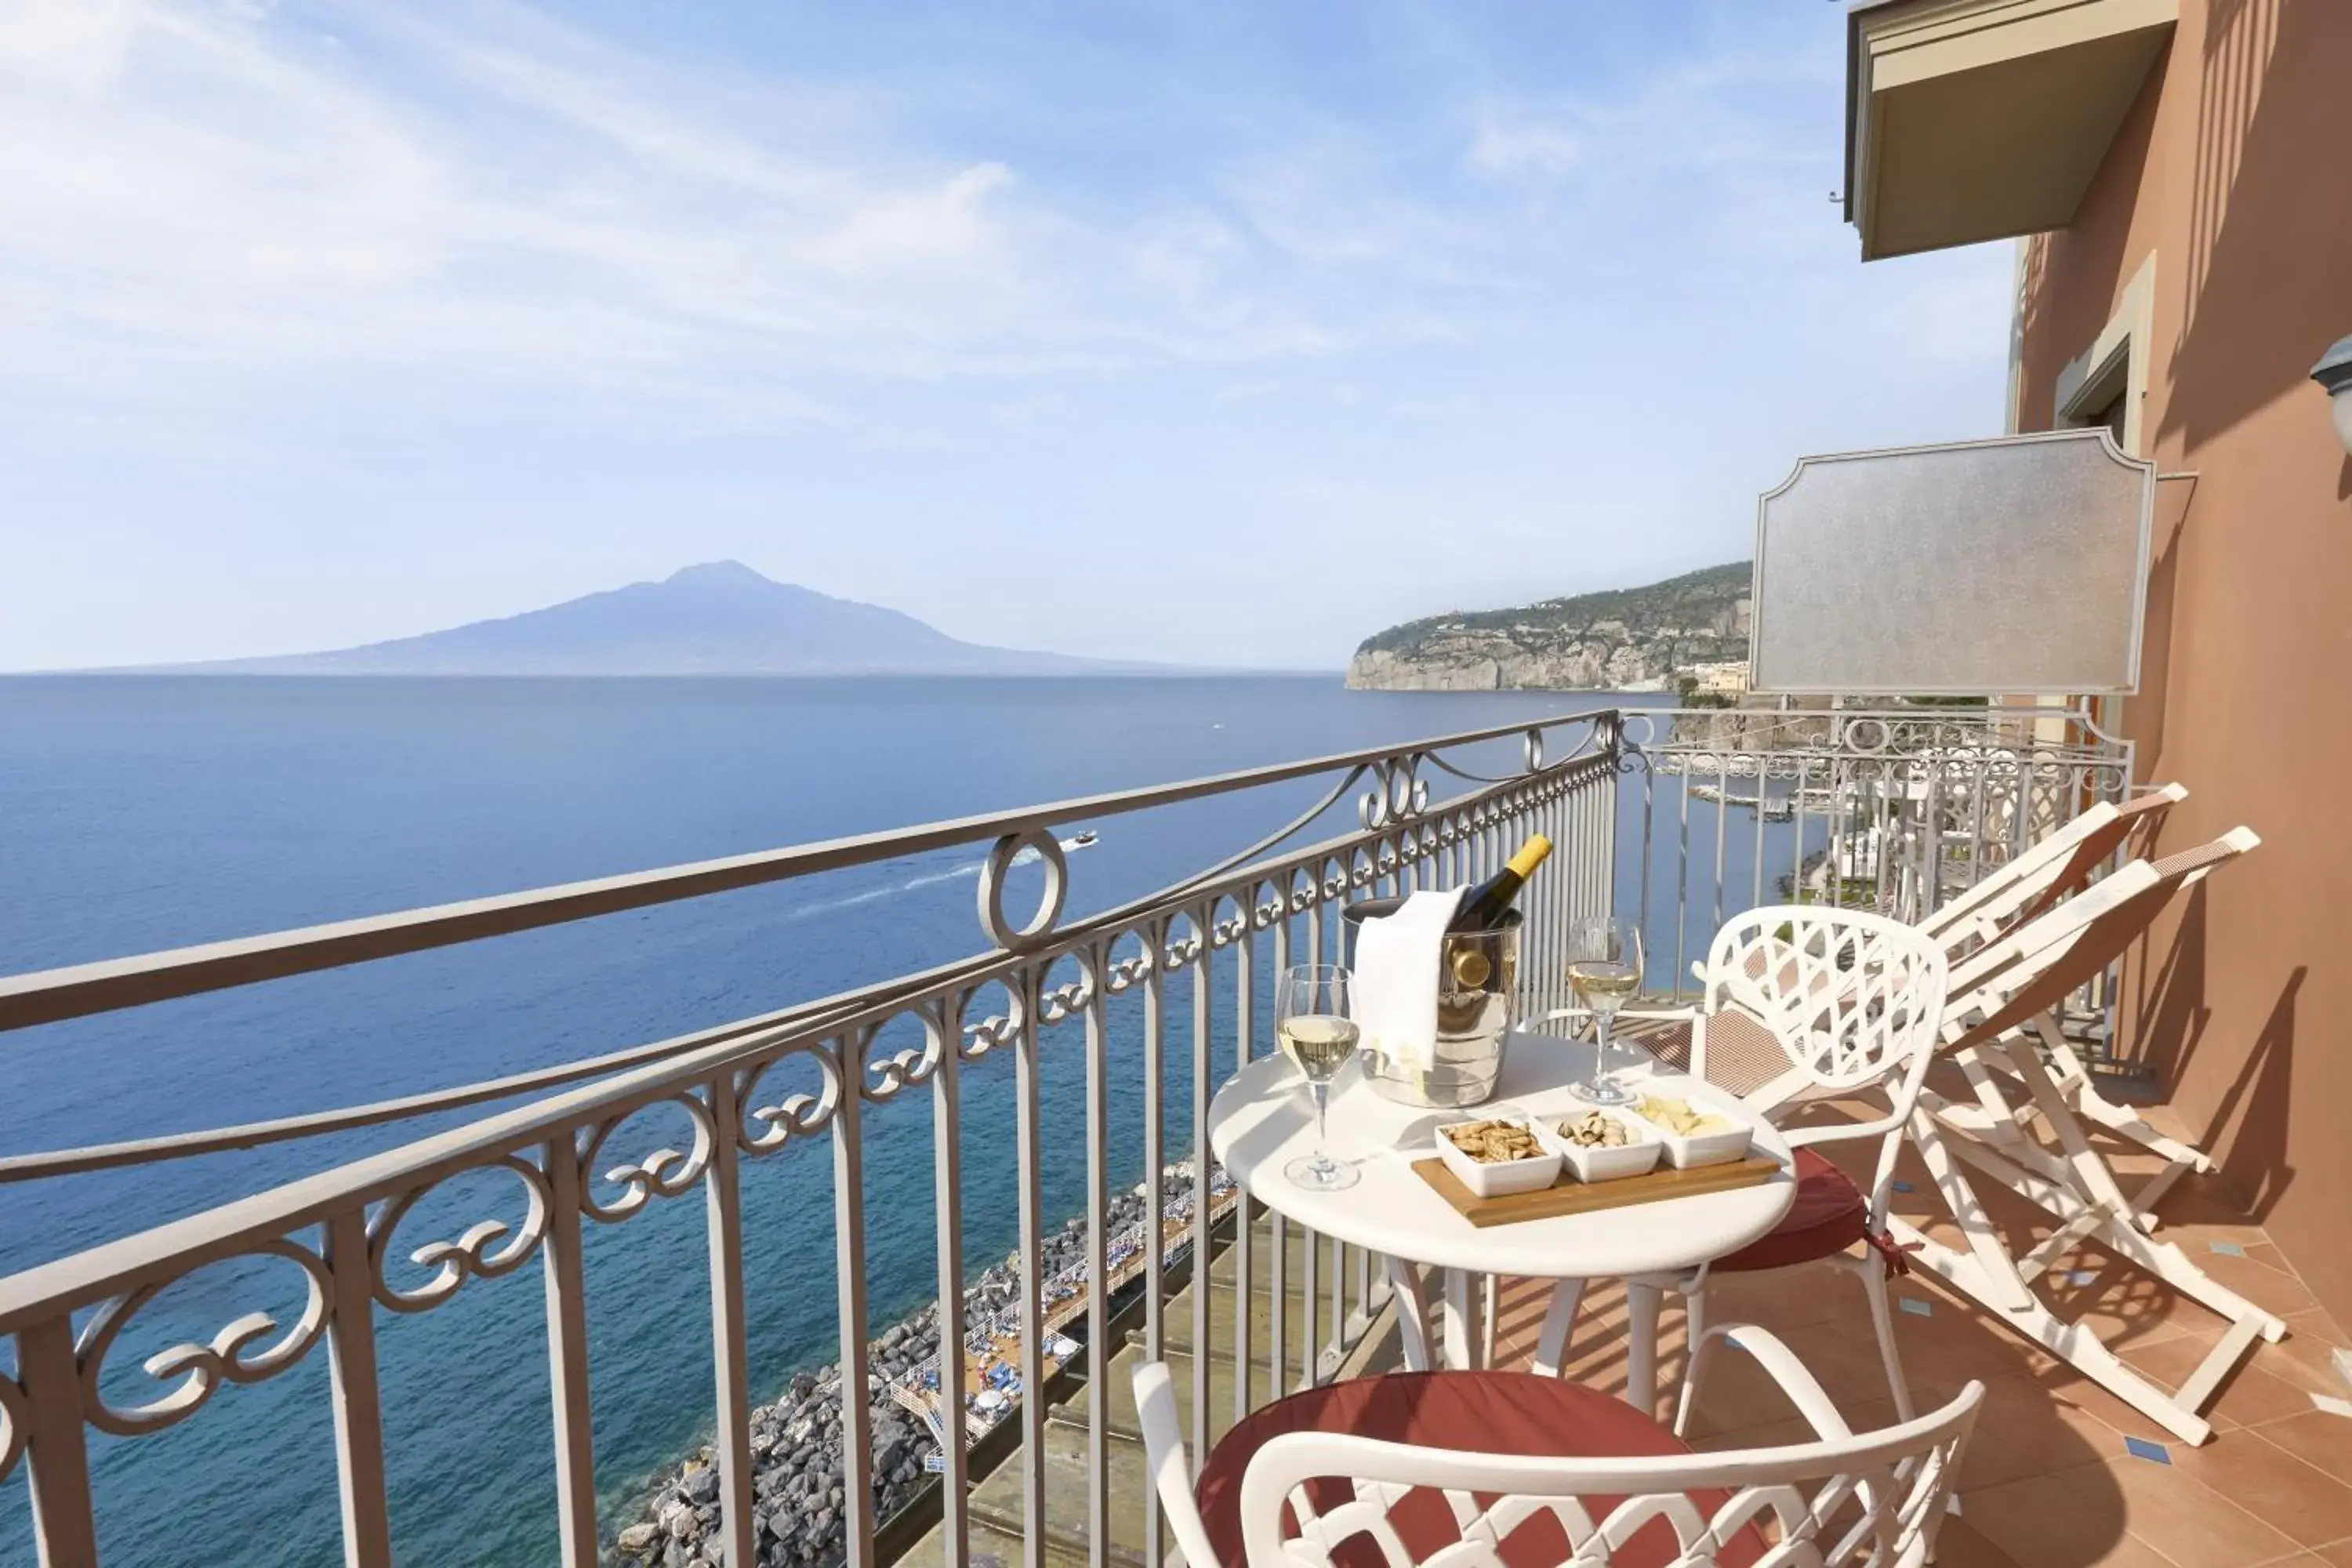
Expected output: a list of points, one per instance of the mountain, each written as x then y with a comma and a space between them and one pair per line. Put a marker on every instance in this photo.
720, 618
1624, 639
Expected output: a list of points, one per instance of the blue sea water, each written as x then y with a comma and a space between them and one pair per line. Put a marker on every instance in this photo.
138, 813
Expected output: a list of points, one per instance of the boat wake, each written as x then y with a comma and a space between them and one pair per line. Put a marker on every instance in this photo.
969, 871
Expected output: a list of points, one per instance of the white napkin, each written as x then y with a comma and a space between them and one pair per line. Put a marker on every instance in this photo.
1396, 978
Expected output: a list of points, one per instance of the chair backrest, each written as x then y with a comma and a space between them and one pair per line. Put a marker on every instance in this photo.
2062, 863
2035, 965
1867, 1501
1851, 996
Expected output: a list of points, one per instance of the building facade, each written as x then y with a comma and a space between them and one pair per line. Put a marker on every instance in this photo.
2185, 255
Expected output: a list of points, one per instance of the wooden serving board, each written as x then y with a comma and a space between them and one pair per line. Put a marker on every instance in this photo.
1568, 1196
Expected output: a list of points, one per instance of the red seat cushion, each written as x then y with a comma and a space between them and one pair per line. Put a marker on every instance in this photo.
1829, 1215
1471, 1412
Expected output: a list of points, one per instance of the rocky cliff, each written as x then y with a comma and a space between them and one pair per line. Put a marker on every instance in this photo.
1624, 639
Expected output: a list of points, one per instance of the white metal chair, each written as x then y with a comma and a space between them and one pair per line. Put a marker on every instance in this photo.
1488, 1470
1851, 1001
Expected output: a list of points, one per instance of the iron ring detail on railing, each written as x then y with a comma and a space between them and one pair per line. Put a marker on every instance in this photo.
998, 866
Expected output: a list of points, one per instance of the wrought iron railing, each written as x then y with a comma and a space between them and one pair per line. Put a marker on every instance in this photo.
1101, 984
1892, 810
742, 1093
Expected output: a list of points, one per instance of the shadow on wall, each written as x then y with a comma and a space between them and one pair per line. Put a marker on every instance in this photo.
2069, 274
2269, 230
2170, 1006
2173, 499
2247, 1127
2253, 1116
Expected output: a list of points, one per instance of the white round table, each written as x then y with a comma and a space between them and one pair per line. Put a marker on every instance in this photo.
1262, 1119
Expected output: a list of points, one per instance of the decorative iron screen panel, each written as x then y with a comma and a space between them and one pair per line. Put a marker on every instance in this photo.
2018, 564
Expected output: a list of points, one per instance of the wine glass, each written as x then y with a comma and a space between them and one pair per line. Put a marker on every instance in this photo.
1604, 967
1313, 1018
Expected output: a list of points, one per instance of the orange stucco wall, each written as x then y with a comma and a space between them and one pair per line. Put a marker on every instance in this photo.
2235, 170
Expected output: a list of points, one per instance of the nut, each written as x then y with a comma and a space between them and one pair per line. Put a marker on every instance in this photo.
1595, 1131
1494, 1142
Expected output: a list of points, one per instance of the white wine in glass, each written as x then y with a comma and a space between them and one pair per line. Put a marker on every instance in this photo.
1604, 967
1314, 1019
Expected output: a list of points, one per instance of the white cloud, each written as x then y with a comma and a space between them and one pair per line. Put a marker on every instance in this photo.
189, 192
197, 195
1515, 144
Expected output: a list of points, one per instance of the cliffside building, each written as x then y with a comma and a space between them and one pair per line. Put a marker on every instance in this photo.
1728, 679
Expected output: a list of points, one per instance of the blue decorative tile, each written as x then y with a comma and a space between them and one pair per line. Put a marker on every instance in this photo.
2228, 1248
2081, 1277
1917, 1308
1905, 1187
2141, 1448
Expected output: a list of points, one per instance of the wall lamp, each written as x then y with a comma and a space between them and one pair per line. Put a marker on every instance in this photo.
2334, 371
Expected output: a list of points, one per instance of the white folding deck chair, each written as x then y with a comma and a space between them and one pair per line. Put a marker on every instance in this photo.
1855, 1002
1998, 1028
2031, 885
1509, 1470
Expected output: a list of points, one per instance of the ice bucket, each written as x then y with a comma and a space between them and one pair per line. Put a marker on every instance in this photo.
1477, 972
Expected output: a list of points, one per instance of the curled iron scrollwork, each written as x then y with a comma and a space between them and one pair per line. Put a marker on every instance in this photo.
1226, 929
1057, 1003
1123, 973
1181, 949
1266, 906
992, 1033
886, 1076
665, 1172
1398, 793
243, 1351
484, 1250
794, 1115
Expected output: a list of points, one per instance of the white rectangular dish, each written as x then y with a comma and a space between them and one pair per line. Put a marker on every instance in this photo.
1501, 1178
1601, 1162
1687, 1150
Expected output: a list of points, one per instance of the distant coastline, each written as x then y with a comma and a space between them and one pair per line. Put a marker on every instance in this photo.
1623, 640
718, 618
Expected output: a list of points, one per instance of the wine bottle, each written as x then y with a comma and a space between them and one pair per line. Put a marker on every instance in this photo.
1482, 909
1484, 906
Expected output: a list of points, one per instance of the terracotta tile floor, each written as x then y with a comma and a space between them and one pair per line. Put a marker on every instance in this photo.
2047, 1482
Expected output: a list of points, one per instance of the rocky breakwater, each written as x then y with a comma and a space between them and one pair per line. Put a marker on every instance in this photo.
800, 1507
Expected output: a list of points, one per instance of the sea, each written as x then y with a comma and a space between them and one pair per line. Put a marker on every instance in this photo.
139, 814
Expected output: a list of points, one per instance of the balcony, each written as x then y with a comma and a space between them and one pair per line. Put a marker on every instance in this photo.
1976, 120
1105, 1028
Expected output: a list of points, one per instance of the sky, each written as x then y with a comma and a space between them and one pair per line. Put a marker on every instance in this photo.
1202, 332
